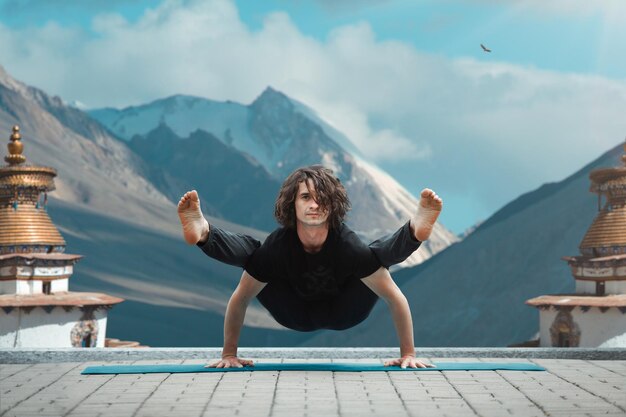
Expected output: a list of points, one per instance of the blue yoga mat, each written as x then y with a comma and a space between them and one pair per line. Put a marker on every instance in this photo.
335, 367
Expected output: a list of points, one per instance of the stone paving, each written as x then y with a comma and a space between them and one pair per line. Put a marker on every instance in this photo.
570, 388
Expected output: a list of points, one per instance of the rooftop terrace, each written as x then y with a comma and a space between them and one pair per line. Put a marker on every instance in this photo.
578, 382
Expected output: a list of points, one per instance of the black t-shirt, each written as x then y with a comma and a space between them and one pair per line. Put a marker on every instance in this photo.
317, 276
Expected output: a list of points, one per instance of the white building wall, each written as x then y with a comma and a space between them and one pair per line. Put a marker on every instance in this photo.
30, 287
41, 329
585, 287
546, 318
8, 287
597, 329
59, 285
615, 287
610, 287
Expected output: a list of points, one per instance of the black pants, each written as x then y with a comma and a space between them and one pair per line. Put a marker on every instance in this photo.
349, 308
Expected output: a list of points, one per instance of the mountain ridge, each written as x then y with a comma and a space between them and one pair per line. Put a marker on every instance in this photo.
275, 131
474, 292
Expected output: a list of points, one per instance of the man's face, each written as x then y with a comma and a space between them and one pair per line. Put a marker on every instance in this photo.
308, 212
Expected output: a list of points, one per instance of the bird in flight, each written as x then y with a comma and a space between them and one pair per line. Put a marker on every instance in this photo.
485, 48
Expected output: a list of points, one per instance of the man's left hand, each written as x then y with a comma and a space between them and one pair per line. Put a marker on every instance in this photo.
410, 362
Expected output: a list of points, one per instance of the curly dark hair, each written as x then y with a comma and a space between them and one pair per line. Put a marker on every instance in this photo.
329, 193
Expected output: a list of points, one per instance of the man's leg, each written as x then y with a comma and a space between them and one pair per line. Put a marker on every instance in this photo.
395, 248
231, 248
235, 249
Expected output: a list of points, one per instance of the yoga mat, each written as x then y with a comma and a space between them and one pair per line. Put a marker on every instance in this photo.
336, 367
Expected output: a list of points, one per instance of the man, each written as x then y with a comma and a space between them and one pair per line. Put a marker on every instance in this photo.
314, 272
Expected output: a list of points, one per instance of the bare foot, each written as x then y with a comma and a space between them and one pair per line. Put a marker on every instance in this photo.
424, 219
195, 226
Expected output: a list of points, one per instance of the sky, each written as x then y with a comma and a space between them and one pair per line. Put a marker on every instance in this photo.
405, 80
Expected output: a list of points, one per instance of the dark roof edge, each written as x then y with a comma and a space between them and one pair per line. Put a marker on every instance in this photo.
54, 355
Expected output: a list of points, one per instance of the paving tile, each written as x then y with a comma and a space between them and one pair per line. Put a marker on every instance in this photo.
569, 388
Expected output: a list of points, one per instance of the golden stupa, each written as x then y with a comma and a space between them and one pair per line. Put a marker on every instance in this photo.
25, 226
607, 234
37, 309
595, 315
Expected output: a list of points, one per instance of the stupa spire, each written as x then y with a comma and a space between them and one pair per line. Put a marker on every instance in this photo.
607, 234
34, 268
595, 315
25, 226
16, 147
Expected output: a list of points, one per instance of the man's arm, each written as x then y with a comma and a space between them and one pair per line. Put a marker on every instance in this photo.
247, 289
381, 283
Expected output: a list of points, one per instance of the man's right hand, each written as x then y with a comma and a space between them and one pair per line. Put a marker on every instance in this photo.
231, 362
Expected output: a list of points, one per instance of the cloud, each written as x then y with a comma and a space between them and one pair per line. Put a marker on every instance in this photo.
491, 127
608, 9
24, 7
343, 5
382, 144
199, 48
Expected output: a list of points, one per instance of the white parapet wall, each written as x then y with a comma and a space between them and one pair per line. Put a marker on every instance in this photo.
597, 329
32, 286
59, 285
22, 287
40, 329
610, 287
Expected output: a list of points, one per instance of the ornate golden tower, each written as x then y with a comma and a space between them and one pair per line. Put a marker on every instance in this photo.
607, 234
595, 316
36, 307
25, 226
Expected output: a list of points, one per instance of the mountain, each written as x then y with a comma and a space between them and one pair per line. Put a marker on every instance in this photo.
114, 205
282, 135
108, 210
231, 185
473, 293
96, 170
111, 206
